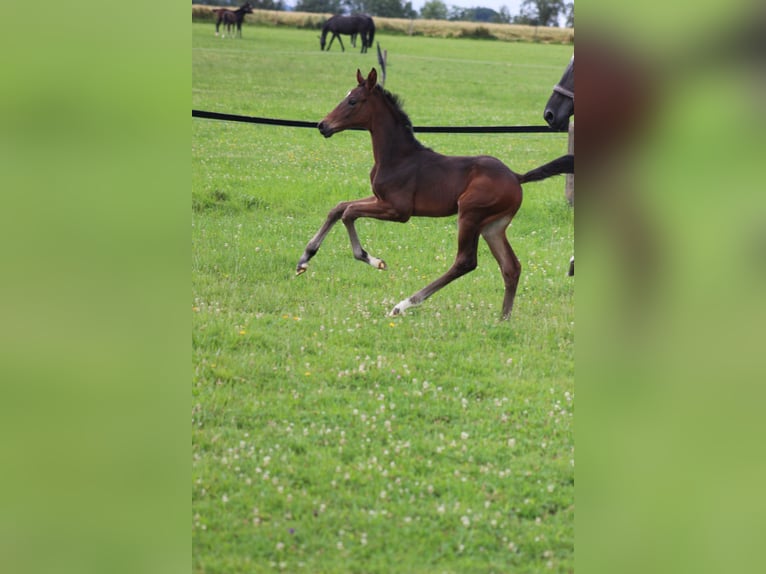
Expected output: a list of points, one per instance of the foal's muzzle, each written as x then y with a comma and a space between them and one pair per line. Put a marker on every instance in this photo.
325, 130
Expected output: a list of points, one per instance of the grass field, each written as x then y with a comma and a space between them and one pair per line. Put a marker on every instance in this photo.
327, 436
403, 26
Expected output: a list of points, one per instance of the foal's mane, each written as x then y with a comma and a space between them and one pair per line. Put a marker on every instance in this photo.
396, 105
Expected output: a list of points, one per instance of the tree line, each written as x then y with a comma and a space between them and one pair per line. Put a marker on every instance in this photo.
532, 12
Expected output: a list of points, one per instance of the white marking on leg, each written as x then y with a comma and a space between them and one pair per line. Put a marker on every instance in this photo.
400, 308
376, 263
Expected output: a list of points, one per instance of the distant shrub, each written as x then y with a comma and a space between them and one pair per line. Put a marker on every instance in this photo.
202, 13
477, 33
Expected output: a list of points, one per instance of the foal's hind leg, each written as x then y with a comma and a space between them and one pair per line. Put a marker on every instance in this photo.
465, 262
494, 234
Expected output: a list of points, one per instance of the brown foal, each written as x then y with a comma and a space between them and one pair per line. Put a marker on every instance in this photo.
409, 179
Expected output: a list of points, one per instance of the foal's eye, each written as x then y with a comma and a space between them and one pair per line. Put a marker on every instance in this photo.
352, 101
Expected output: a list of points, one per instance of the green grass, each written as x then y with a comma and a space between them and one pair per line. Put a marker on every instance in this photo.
403, 26
327, 436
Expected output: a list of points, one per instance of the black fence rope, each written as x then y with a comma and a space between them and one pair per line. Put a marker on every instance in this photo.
420, 129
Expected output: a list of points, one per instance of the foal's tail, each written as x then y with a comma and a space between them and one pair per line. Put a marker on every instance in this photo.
563, 164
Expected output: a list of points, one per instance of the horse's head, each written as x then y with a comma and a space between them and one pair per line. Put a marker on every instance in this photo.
560, 105
352, 111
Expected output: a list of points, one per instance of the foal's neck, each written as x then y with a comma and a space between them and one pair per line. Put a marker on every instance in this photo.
392, 141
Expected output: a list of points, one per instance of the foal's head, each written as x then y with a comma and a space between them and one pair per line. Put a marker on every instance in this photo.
355, 110
368, 100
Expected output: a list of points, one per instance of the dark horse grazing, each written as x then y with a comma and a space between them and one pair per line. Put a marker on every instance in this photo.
354, 24
409, 179
558, 110
231, 18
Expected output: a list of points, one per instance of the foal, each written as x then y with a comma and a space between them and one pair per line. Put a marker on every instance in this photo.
231, 18
409, 179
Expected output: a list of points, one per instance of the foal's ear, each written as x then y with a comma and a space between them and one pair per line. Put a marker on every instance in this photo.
359, 77
372, 79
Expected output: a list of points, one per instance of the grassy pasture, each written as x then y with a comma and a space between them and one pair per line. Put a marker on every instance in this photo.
417, 27
326, 436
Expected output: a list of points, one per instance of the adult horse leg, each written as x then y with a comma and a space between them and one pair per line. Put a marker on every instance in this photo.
465, 262
349, 211
218, 22
365, 40
337, 35
495, 235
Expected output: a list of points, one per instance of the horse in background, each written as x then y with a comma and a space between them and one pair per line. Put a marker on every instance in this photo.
560, 106
231, 18
558, 110
352, 25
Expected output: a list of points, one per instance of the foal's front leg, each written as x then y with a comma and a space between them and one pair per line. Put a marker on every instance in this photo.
349, 211
370, 207
316, 242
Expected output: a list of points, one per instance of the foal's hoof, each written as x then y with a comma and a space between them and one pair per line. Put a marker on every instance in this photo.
374, 261
301, 269
400, 307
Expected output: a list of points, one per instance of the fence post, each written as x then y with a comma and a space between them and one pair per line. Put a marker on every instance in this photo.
382, 59
569, 189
